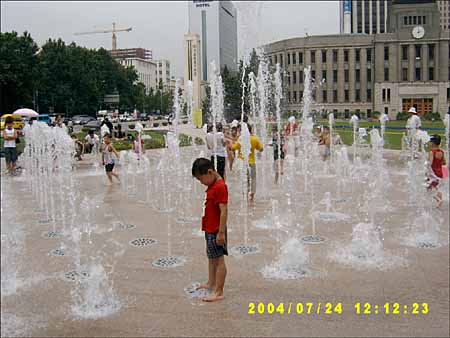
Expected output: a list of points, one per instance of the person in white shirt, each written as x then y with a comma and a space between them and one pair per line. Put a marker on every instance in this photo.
414, 121
10, 136
216, 148
91, 141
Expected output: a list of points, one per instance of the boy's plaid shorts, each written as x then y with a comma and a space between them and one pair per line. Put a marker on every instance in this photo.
213, 250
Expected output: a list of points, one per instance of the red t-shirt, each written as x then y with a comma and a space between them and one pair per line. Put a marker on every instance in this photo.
437, 163
216, 194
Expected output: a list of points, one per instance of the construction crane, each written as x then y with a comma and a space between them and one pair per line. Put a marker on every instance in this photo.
113, 31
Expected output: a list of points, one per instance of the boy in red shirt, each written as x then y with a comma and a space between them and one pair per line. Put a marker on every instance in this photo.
214, 224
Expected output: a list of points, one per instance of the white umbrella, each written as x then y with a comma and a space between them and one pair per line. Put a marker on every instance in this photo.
26, 112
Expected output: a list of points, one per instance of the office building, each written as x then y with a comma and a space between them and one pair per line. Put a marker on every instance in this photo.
387, 72
140, 53
193, 67
145, 69
162, 72
444, 9
215, 22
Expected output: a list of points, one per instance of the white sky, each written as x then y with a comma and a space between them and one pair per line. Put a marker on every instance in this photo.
160, 25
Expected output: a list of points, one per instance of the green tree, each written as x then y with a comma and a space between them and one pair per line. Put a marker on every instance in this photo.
17, 71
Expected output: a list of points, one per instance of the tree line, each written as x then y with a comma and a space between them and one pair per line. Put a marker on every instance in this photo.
67, 79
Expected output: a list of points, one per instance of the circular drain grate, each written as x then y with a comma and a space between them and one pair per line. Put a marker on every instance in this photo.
245, 249
193, 291
75, 275
143, 242
57, 252
313, 239
51, 234
169, 262
427, 245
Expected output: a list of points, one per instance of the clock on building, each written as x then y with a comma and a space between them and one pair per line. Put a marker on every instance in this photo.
418, 32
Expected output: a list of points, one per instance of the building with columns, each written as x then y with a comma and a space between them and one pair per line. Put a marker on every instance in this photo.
363, 73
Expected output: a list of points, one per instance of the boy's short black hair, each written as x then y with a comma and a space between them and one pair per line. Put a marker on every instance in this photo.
201, 166
436, 139
9, 119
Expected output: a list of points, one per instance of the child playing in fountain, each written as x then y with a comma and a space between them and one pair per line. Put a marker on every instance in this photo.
325, 141
278, 144
214, 224
108, 160
437, 160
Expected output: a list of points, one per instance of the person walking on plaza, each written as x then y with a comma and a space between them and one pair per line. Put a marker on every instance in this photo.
10, 137
216, 147
214, 224
107, 158
255, 144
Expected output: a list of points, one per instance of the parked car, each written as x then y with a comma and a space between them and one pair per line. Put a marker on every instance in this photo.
45, 118
82, 119
94, 124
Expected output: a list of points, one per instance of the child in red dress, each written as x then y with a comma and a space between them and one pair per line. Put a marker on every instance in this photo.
437, 160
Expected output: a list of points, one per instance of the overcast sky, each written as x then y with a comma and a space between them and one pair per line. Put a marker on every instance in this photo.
160, 25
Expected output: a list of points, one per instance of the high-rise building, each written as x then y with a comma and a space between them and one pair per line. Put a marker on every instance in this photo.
215, 22
193, 67
145, 70
444, 8
364, 16
162, 72
140, 53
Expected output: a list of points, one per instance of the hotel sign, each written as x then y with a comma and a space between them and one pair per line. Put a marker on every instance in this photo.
202, 3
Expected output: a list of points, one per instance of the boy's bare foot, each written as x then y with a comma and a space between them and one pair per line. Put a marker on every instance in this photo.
213, 298
205, 286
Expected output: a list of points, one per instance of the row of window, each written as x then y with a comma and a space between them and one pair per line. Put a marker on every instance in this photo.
292, 76
412, 20
418, 51
293, 58
293, 98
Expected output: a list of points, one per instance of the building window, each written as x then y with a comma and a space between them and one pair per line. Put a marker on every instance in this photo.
335, 96
386, 74
294, 77
405, 20
357, 55
424, 21
358, 75
404, 52
300, 76
389, 95
335, 55
431, 51
335, 76
313, 56
418, 52
369, 94
324, 75
369, 55
418, 72
313, 74
289, 97
404, 74
346, 113
288, 58
357, 96
300, 95
369, 113
289, 79
346, 75
324, 96
383, 95
431, 74
300, 58
276, 59
314, 94
324, 56
294, 58
345, 55
369, 75
414, 20
419, 20
346, 95
295, 95
409, 20
386, 53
